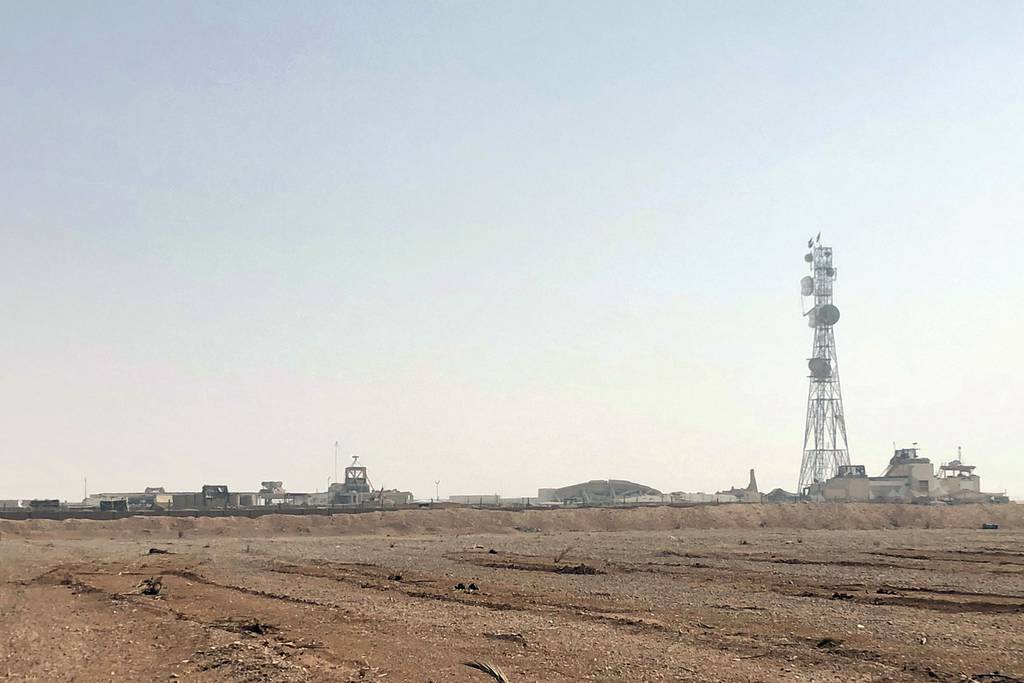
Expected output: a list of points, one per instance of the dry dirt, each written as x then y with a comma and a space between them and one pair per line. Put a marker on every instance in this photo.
733, 593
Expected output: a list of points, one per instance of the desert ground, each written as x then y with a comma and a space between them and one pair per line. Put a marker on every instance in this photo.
731, 593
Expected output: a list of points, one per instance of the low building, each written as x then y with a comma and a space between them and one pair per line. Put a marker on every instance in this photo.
186, 501
700, 497
644, 499
598, 492
957, 480
318, 499
272, 489
215, 496
489, 499
395, 498
850, 484
153, 497
778, 495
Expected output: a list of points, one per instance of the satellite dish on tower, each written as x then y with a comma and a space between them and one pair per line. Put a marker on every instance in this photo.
827, 315
820, 368
807, 285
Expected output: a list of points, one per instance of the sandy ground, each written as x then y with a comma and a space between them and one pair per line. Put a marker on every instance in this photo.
377, 597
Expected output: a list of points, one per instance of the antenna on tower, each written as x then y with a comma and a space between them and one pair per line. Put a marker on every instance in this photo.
825, 446
335, 461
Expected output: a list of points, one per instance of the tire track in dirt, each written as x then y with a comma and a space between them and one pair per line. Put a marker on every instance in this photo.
477, 599
264, 651
955, 556
739, 644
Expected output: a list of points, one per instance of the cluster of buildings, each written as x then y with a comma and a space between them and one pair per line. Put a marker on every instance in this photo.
909, 478
271, 494
618, 492
610, 492
353, 492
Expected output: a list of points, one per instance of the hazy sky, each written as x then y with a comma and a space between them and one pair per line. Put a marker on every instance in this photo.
501, 244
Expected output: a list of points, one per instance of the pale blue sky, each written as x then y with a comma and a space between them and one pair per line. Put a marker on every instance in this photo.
503, 245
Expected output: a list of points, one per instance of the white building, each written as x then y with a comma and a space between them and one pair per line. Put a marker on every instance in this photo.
908, 477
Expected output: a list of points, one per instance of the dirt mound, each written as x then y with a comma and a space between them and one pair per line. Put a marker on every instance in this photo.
467, 521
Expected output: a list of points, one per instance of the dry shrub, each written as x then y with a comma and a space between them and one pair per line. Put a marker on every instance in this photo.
489, 669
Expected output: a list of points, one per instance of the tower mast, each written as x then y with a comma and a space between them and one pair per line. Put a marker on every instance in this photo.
825, 446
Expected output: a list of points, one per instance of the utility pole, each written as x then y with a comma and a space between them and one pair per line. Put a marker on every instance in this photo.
335, 461
437, 490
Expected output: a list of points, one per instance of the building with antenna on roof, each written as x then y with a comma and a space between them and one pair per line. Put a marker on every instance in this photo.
356, 489
954, 477
909, 477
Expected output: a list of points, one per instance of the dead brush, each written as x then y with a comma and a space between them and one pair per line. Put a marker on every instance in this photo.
151, 586
489, 669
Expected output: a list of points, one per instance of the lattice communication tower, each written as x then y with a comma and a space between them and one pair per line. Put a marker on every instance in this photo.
825, 447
